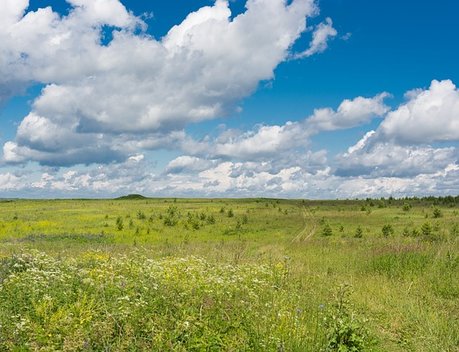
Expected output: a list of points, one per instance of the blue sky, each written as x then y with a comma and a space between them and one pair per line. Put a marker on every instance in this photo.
297, 99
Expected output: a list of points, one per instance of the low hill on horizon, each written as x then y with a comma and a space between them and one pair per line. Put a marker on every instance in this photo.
132, 196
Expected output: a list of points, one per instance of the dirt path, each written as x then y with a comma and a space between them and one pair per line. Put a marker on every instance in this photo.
303, 235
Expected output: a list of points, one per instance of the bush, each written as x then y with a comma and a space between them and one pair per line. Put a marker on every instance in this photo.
437, 213
387, 230
141, 215
210, 220
358, 232
406, 207
172, 216
327, 230
426, 229
119, 223
345, 330
170, 221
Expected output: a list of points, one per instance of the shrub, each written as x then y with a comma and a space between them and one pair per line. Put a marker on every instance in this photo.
327, 230
230, 213
437, 213
170, 221
210, 220
238, 226
387, 230
426, 229
345, 330
406, 206
119, 223
358, 232
172, 216
141, 215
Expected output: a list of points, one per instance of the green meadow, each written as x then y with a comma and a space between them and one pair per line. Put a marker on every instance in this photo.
137, 274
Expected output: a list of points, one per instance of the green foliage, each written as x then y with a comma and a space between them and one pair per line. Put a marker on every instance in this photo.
406, 283
346, 331
172, 216
406, 232
210, 219
406, 206
119, 223
193, 221
358, 232
132, 197
387, 230
400, 265
230, 213
170, 221
426, 229
238, 226
327, 230
437, 213
116, 303
141, 215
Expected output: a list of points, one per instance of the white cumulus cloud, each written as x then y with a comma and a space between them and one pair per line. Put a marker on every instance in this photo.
430, 115
135, 85
320, 37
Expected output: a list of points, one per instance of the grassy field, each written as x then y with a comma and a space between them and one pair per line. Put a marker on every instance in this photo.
229, 275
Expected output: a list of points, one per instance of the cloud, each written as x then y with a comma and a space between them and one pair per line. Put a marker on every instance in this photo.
288, 141
320, 37
135, 86
350, 113
106, 102
430, 115
390, 160
222, 178
10, 182
187, 164
402, 145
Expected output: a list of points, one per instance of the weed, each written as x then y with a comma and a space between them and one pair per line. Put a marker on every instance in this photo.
437, 213
387, 230
119, 223
327, 230
141, 215
345, 330
358, 232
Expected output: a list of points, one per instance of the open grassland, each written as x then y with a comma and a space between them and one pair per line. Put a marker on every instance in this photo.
229, 275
